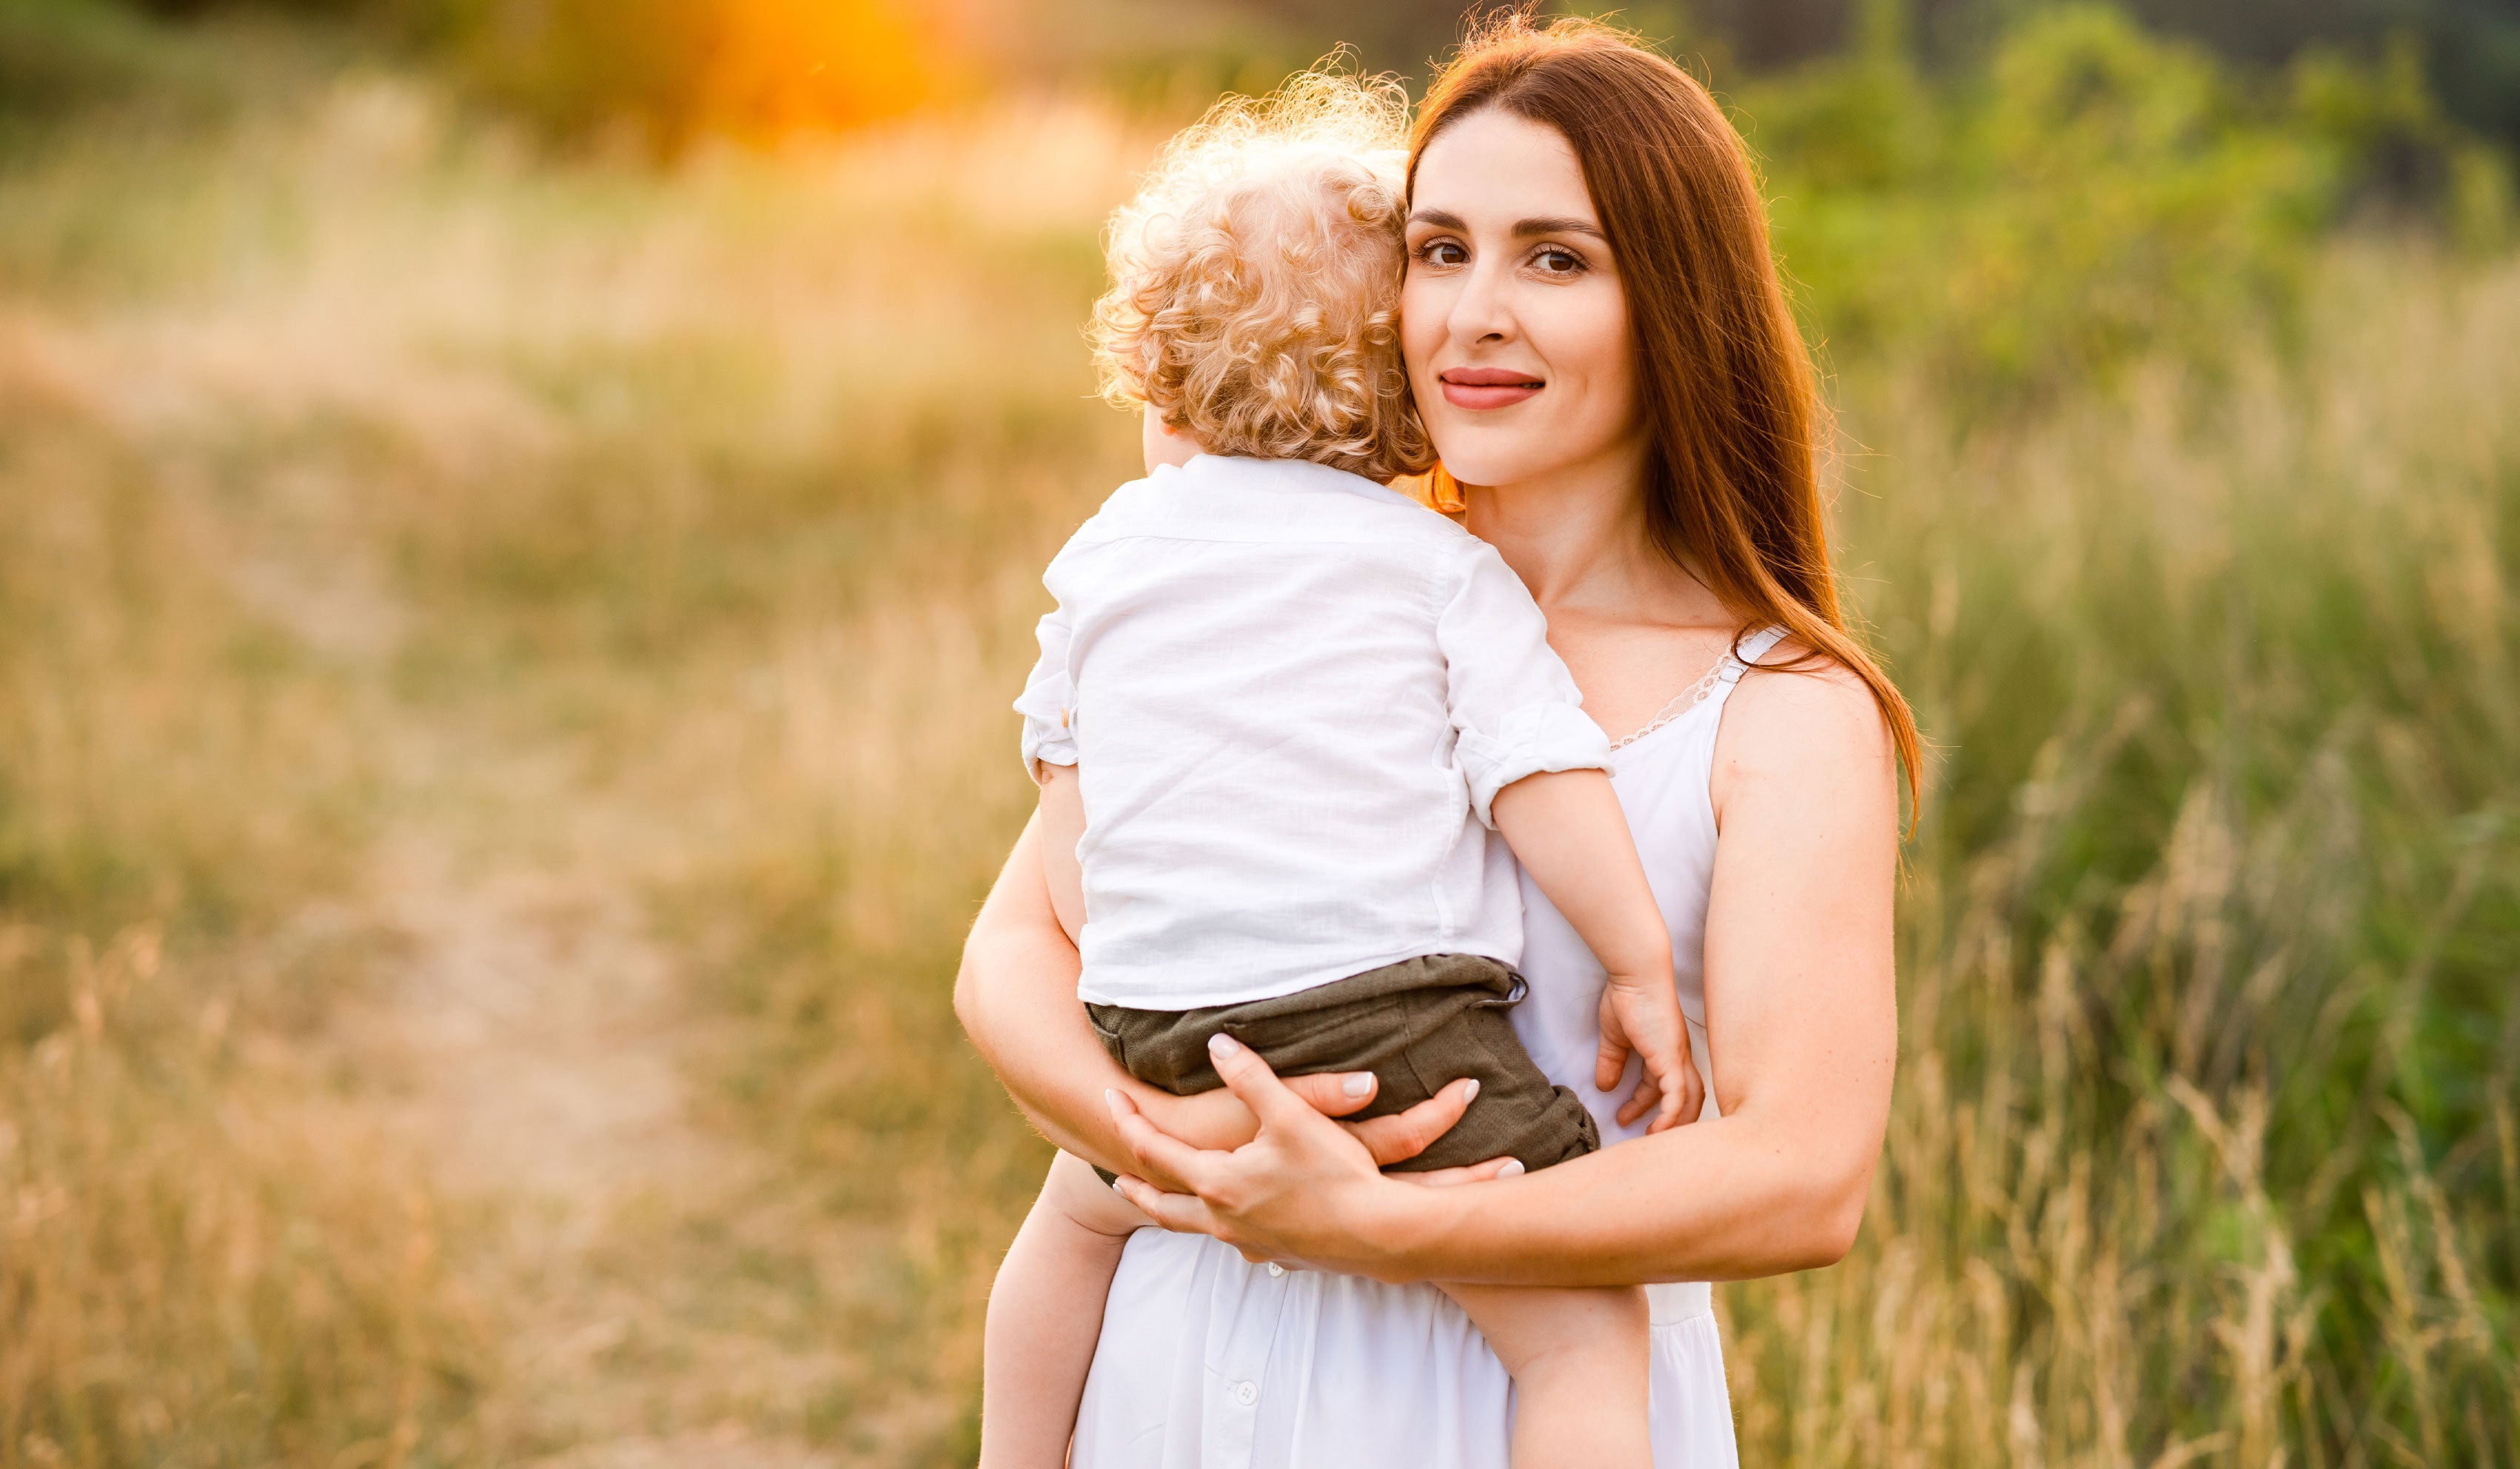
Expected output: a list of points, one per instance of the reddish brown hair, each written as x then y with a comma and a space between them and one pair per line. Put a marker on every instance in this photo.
1732, 490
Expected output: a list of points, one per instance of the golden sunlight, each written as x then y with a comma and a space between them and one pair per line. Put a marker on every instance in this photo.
786, 65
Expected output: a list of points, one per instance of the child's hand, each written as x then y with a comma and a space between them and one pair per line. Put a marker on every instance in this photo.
1645, 1017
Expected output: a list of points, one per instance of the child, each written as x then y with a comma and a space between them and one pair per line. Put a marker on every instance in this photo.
1278, 710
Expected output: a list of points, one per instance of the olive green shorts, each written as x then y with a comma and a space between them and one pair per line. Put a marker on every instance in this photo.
1417, 1024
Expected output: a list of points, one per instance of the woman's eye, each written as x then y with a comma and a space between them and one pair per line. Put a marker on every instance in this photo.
1443, 253
1558, 262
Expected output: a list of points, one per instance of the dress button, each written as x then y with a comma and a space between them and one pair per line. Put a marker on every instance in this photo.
1246, 1394
1276, 1268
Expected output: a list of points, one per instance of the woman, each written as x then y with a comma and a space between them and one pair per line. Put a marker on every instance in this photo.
1597, 338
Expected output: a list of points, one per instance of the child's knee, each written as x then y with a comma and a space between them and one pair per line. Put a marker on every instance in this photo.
1075, 1191
1629, 1312
1557, 1333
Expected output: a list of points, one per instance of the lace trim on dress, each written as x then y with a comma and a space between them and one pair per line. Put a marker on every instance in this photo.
1688, 699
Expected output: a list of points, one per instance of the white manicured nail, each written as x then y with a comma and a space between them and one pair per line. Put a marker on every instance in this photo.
1512, 1165
1473, 1094
1222, 1045
1358, 1083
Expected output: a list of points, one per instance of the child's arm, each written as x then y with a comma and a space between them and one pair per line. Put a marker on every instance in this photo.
1063, 826
1567, 831
1538, 773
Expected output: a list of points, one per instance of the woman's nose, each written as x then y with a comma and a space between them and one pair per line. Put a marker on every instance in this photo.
1480, 313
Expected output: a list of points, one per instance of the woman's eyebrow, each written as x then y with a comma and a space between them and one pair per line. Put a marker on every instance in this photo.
1523, 229
1564, 224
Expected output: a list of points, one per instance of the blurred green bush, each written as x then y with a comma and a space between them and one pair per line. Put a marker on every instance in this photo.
2092, 194
61, 58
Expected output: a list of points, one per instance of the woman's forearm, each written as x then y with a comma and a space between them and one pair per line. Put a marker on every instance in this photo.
1725, 1199
1017, 998
1777, 1183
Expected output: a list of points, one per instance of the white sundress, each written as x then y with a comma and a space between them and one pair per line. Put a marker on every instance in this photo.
1208, 1361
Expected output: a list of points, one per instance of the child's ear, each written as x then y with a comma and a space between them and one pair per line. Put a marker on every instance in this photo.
1164, 444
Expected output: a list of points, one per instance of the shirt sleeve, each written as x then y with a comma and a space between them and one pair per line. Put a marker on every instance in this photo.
1049, 702
1515, 709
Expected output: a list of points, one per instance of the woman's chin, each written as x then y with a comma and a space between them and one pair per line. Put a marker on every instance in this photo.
1483, 465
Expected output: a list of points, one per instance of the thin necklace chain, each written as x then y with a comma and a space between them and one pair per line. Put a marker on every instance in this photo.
1687, 699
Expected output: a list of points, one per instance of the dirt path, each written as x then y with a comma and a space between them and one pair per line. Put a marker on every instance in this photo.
533, 1044
658, 1289
537, 1042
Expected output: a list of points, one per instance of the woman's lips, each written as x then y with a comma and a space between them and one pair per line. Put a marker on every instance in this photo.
1487, 387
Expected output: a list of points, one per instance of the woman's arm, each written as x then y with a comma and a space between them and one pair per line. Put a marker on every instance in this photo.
1017, 998
1016, 995
1802, 1034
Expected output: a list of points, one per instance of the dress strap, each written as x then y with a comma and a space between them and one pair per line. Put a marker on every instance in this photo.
1748, 651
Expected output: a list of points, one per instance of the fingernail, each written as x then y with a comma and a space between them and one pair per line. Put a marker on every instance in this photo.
1222, 1045
1117, 1189
1111, 1098
1473, 1094
1358, 1083
1512, 1165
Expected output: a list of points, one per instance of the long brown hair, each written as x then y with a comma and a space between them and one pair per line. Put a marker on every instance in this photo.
1732, 490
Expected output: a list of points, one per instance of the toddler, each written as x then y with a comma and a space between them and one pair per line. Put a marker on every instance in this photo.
1278, 709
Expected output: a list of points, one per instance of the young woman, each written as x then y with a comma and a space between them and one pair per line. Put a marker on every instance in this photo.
1595, 335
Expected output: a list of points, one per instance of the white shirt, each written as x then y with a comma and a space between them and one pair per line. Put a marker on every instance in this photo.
1292, 694
1209, 1361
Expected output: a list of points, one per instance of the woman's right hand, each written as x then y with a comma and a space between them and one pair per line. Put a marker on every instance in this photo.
1218, 1121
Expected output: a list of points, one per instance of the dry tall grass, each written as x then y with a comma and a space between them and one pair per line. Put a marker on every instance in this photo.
381, 504
2203, 1146
372, 489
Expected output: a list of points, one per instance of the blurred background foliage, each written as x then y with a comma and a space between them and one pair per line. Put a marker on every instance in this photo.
2023, 191
674, 68
519, 520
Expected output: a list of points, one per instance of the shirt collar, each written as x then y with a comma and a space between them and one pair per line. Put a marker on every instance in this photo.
1232, 472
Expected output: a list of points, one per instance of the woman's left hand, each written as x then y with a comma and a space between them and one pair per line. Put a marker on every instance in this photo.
1305, 1191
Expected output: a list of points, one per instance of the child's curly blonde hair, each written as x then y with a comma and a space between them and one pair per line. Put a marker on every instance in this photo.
1255, 281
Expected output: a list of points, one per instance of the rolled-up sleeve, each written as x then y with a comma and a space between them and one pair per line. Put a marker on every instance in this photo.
1515, 709
1049, 702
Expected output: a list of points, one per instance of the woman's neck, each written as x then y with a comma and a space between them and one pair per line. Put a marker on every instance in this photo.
1580, 544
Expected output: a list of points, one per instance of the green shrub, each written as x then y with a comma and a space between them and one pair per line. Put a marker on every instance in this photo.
2093, 195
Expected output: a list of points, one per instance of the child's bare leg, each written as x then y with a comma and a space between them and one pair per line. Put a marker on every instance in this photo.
1045, 1315
1579, 1365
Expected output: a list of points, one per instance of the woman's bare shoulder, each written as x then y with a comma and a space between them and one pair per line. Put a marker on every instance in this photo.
1805, 722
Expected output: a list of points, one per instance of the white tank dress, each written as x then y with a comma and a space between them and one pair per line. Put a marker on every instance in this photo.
1208, 1361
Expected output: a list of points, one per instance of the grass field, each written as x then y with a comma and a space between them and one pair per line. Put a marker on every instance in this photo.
503, 681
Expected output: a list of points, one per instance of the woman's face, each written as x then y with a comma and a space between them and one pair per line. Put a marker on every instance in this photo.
1511, 318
